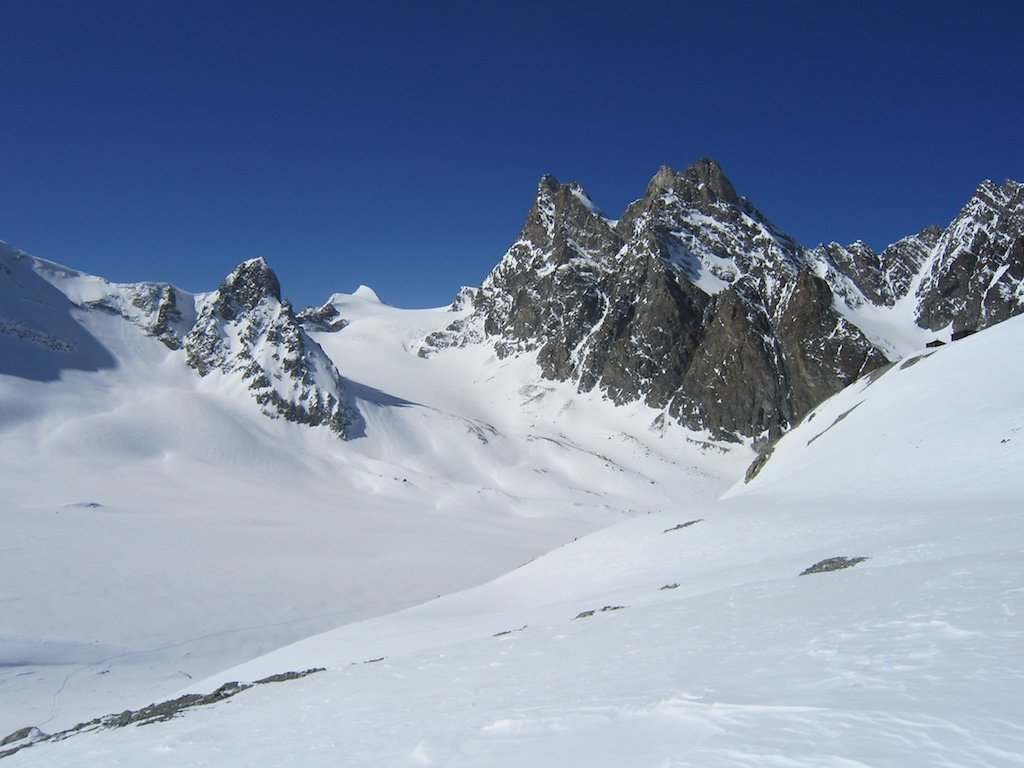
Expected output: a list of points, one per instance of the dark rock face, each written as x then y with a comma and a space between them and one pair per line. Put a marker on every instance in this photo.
703, 183
157, 308
880, 279
695, 303
691, 302
244, 328
735, 384
833, 564
967, 276
326, 318
823, 352
976, 278
546, 292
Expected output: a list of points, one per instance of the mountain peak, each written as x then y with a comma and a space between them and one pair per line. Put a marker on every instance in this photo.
663, 180
245, 330
368, 294
548, 184
250, 282
703, 182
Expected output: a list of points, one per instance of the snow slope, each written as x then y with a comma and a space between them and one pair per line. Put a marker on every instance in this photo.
157, 527
705, 645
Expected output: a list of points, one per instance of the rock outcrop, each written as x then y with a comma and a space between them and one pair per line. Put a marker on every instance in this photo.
975, 275
692, 302
245, 329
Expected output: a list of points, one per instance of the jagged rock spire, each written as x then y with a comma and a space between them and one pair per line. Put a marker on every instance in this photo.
660, 306
703, 182
245, 329
251, 282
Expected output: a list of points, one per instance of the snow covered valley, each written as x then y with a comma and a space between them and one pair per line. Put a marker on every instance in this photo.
503, 572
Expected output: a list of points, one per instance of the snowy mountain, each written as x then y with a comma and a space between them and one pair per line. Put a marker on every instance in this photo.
244, 328
695, 303
516, 530
158, 527
810, 617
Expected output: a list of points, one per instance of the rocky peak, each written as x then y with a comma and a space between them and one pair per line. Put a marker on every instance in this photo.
244, 329
702, 183
695, 303
564, 218
930, 235
548, 185
975, 274
250, 283
662, 306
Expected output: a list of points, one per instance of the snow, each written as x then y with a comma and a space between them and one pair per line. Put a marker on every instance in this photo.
367, 293
158, 527
949, 420
705, 645
580, 194
893, 329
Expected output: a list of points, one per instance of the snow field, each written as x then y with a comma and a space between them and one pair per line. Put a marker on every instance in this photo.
676, 631
159, 528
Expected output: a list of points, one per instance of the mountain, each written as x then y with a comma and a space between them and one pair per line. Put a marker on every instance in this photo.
244, 328
857, 603
159, 527
694, 302
576, 424
39, 337
964, 278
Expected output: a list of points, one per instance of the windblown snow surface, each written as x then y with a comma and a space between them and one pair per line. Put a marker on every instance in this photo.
681, 635
157, 527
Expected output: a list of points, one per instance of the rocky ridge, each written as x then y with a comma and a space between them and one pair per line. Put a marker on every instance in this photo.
692, 302
695, 303
244, 328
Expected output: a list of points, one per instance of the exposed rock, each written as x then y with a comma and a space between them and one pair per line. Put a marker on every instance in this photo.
153, 713
244, 329
695, 303
546, 292
857, 274
736, 383
833, 564
701, 183
976, 276
692, 302
161, 310
326, 318
606, 609
680, 527
823, 352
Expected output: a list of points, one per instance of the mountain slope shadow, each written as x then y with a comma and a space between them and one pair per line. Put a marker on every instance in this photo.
373, 395
39, 335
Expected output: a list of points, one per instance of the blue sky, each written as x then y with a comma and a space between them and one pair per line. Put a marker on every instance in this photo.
399, 144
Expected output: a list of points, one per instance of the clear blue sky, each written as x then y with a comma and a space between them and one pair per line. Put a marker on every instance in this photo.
399, 144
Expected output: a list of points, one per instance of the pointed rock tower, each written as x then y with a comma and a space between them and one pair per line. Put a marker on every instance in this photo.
244, 329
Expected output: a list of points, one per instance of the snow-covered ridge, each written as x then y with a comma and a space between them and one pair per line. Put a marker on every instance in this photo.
693, 289
243, 329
